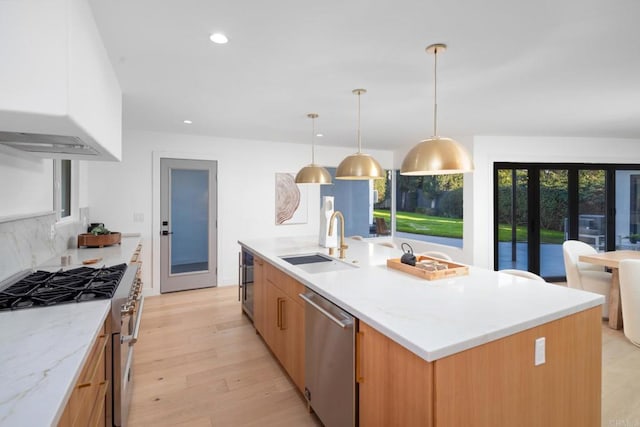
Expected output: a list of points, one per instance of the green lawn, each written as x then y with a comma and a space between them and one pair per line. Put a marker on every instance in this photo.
424, 224
416, 223
546, 236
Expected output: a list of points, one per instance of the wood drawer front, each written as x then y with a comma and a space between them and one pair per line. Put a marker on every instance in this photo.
89, 392
99, 417
290, 286
85, 396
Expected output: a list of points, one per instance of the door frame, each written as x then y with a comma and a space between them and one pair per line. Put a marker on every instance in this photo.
155, 209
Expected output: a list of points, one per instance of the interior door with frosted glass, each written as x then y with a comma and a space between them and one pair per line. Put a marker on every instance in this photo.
188, 230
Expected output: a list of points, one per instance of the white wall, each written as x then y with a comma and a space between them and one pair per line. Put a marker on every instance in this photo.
246, 196
490, 149
26, 192
26, 185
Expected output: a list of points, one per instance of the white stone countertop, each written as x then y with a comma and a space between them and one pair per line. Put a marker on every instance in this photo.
111, 255
433, 319
42, 350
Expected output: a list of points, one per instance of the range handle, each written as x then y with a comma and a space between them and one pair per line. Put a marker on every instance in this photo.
132, 339
239, 274
307, 299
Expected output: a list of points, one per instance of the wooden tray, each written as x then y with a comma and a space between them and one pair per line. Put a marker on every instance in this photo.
453, 269
99, 241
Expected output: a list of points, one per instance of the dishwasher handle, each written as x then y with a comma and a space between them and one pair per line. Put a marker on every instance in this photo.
340, 323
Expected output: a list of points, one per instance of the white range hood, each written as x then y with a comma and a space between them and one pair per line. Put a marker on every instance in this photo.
60, 97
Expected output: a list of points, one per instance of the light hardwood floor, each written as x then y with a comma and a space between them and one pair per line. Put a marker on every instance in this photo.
199, 362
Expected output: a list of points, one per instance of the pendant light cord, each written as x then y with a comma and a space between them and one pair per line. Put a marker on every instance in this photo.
359, 139
313, 140
435, 92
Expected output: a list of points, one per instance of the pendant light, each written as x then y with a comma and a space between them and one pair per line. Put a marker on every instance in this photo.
359, 165
436, 155
313, 174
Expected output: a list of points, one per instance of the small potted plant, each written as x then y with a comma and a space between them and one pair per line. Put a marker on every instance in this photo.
98, 237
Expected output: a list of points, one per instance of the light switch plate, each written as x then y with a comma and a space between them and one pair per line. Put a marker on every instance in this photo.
540, 351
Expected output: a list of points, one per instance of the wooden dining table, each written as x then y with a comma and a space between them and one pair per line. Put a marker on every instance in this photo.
612, 260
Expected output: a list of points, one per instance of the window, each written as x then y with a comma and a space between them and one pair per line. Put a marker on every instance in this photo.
360, 201
62, 188
382, 206
429, 208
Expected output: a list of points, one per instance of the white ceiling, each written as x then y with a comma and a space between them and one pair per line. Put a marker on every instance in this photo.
547, 67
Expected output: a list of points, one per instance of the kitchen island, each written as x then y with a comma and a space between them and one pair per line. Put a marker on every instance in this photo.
477, 333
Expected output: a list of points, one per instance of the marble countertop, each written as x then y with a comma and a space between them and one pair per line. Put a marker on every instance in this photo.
111, 255
41, 354
42, 350
433, 319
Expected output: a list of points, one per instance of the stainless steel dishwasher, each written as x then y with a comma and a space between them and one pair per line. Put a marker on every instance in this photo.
330, 383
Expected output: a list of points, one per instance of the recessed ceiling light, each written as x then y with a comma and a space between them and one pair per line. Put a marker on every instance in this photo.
219, 38
187, 122
319, 135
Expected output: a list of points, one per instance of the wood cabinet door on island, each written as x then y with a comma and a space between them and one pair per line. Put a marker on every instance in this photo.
498, 383
395, 385
259, 296
282, 315
494, 384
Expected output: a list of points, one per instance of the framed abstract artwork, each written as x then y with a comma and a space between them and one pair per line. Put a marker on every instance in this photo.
291, 200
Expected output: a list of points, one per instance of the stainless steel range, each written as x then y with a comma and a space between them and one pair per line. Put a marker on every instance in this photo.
126, 312
120, 283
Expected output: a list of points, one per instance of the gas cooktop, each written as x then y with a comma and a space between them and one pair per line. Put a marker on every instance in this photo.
44, 288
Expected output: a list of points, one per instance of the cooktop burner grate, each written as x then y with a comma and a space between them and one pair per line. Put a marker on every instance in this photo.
43, 288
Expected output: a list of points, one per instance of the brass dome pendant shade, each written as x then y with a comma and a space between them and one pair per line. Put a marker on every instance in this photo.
436, 155
313, 174
359, 165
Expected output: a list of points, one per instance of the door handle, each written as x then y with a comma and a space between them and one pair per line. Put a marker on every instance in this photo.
330, 316
283, 315
359, 361
239, 274
278, 315
165, 232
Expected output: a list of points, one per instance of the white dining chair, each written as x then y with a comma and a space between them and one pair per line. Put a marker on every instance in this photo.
630, 298
437, 254
523, 273
584, 275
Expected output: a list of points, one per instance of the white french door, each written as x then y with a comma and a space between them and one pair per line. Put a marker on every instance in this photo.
188, 224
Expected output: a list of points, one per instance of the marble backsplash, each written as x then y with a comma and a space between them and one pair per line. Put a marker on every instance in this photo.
26, 243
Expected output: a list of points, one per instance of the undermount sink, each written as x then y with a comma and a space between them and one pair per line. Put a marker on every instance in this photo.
317, 263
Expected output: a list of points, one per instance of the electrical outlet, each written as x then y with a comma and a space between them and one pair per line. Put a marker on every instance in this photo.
52, 233
540, 351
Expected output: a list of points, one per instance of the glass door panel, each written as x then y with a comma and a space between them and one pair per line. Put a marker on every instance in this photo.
513, 218
628, 209
189, 246
592, 220
554, 220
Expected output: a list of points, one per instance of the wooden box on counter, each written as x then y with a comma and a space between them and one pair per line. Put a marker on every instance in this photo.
99, 241
453, 269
